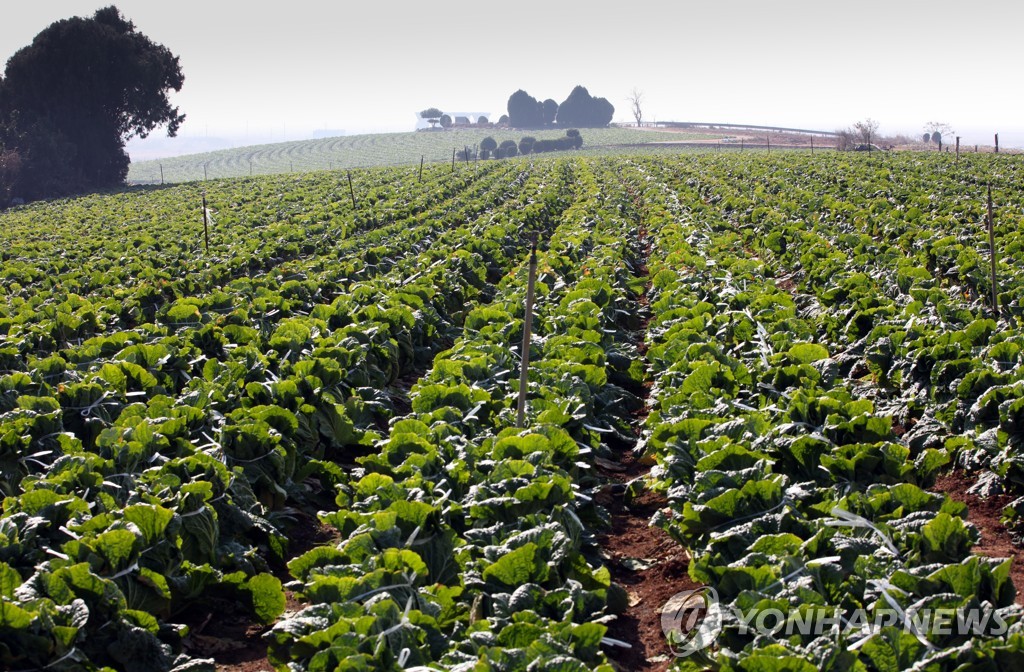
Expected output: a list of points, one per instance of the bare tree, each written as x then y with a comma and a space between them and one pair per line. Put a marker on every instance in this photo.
938, 130
635, 99
866, 130
845, 139
942, 127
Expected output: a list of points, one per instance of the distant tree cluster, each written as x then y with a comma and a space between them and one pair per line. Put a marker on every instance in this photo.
529, 145
582, 109
579, 109
71, 99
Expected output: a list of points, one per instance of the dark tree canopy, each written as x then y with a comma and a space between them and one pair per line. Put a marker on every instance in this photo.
431, 113
71, 99
524, 111
446, 121
488, 144
582, 109
549, 109
508, 148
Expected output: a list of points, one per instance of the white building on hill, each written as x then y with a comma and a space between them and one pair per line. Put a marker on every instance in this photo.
458, 119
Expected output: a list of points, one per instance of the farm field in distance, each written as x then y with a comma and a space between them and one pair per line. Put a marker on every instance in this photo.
767, 379
365, 151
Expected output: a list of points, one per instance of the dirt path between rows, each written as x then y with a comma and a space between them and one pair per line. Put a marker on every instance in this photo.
645, 560
985, 513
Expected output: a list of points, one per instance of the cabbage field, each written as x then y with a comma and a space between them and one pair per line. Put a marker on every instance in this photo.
310, 424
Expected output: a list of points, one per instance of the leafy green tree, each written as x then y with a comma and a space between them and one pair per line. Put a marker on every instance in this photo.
10, 170
549, 110
927, 137
508, 148
524, 110
488, 144
526, 144
446, 121
431, 113
582, 109
71, 100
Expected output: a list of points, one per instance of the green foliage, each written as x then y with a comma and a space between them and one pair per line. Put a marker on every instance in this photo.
68, 111
582, 109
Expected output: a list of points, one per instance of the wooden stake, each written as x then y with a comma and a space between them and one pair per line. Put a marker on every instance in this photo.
421, 168
453, 159
958, 148
351, 191
769, 139
992, 252
997, 143
161, 173
527, 332
206, 224
812, 145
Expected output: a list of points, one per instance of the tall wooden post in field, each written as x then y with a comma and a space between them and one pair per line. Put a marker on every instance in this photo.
992, 252
421, 168
527, 332
997, 143
206, 225
453, 159
351, 191
161, 173
958, 148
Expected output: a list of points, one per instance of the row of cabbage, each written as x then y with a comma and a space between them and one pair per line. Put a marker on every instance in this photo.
901, 264
795, 456
148, 470
96, 265
466, 543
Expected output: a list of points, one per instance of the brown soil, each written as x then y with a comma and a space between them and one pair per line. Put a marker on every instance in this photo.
644, 560
984, 513
650, 565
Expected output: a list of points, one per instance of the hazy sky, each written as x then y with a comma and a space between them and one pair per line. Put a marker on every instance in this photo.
286, 68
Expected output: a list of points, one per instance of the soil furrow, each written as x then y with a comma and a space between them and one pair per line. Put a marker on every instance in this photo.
644, 560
